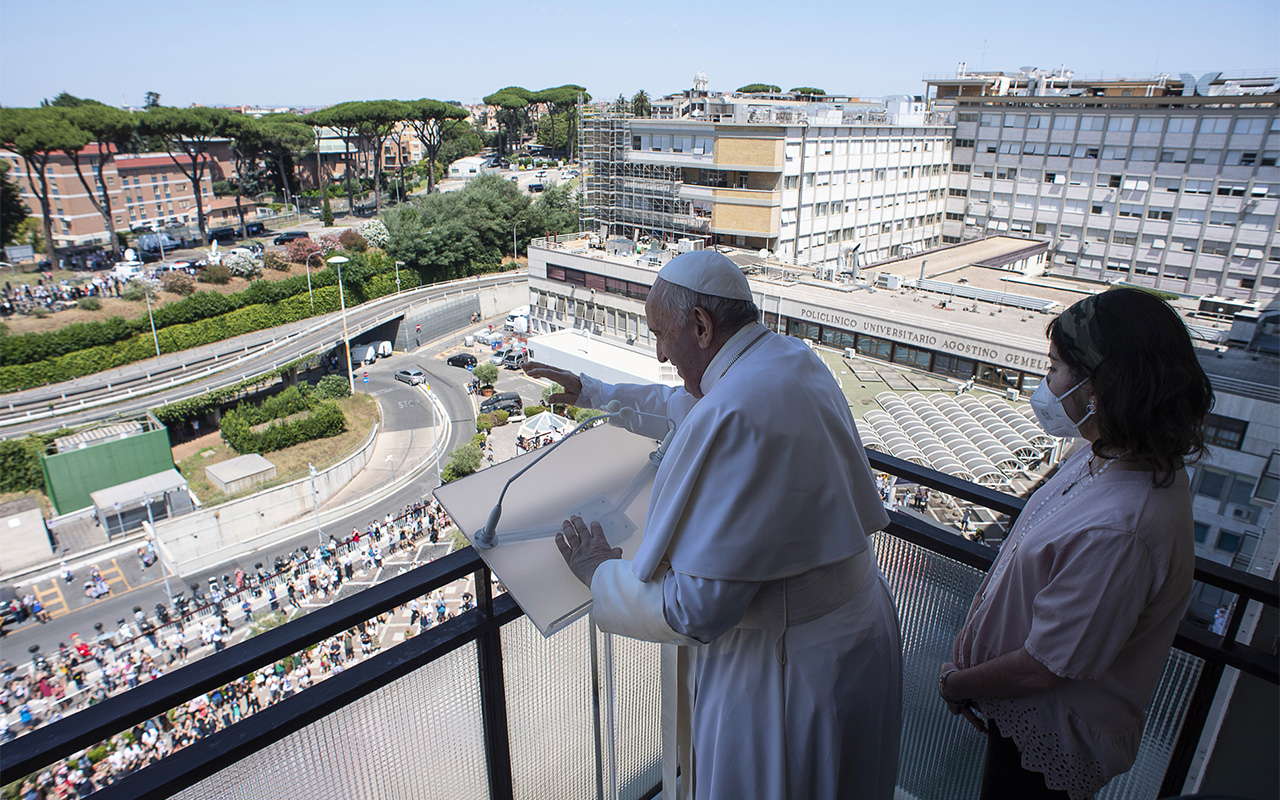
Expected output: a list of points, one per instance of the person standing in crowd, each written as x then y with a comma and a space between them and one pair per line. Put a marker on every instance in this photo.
755, 556
1070, 631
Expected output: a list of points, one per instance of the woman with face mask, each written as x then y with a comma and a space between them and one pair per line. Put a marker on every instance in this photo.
1069, 633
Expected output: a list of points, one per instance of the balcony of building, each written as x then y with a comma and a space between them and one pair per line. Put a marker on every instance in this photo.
483, 706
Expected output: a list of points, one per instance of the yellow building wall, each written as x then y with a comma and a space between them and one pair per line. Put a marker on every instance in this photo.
726, 216
749, 152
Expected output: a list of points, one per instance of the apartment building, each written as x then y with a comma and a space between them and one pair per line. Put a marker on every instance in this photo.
146, 189
1169, 183
832, 182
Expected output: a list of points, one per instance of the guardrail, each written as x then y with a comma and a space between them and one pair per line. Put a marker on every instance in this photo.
42, 408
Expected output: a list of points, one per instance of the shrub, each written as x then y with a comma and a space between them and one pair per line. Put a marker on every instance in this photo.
178, 283
215, 273
328, 243
479, 439
332, 386
484, 423
325, 420
273, 261
326, 212
134, 292
486, 373
243, 265
299, 250
500, 418
42, 312
581, 415
374, 232
98, 753
352, 241
90, 303
530, 411
464, 461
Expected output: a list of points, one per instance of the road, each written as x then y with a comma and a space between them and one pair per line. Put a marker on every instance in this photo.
195, 371
404, 407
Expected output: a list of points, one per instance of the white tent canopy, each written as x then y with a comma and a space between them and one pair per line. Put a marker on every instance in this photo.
543, 424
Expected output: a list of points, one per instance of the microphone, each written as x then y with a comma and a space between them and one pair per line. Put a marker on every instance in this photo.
484, 538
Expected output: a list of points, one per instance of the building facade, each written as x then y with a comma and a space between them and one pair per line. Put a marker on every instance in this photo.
1171, 184
832, 183
146, 190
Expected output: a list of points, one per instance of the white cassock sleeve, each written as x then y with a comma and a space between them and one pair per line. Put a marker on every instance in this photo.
679, 609
623, 604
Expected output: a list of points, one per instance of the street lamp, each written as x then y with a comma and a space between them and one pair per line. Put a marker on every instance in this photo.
399, 264
309, 295
146, 292
338, 261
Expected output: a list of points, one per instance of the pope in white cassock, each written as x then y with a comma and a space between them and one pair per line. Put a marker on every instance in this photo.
755, 556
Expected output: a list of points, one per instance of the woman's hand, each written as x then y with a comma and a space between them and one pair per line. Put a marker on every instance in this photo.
961, 706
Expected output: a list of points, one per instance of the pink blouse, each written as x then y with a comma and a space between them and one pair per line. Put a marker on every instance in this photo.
1092, 581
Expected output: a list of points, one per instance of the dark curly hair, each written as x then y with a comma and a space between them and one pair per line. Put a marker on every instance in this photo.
1150, 391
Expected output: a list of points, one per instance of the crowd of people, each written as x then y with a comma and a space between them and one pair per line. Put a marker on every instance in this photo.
86, 672
55, 295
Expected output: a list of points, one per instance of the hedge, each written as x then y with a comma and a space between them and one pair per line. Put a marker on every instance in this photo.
173, 339
360, 274
325, 420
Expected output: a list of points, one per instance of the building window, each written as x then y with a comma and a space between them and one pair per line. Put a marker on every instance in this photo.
1228, 542
1092, 123
1215, 125
1182, 125
1201, 532
1221, 431
964, 143
1120, 124
1212, 484
1253, 125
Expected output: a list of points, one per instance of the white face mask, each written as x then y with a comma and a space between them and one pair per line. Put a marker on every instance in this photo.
1050, 413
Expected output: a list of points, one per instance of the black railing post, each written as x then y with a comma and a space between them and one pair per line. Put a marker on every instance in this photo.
1175, 775
493, 696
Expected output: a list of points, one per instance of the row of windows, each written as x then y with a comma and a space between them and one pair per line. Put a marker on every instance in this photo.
855, 176
1123, 123
590, 280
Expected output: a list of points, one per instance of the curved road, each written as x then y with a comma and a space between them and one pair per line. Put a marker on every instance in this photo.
177, 376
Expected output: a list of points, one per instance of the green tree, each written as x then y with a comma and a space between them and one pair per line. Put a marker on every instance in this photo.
486, 373
379, 118
513, 112
189, 132
620, 105
112, 131
64, 100
548, 134
37, 135
456, 234
759, 88
561, 102
152, 100
809, 90
326, 212
464, 461
283, 135
640, 105
432, 121
247, 146
347, 119
13, 212
556, 209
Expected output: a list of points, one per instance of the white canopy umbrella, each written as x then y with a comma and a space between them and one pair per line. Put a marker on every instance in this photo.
543, 424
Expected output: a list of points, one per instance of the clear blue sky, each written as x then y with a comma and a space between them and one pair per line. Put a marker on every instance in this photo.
289, 52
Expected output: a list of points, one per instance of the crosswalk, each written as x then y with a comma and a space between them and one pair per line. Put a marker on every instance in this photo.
60, 598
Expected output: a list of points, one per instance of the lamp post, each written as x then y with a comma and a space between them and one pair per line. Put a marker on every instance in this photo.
399, 264
338, 261
146, 292
309, 295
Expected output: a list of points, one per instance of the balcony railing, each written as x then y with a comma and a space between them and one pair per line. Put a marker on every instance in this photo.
482, 705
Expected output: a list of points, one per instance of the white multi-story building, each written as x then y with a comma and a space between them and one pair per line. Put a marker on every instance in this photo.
1169, 183
815, 181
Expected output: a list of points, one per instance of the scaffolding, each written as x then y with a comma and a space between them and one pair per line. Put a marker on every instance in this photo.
627, 198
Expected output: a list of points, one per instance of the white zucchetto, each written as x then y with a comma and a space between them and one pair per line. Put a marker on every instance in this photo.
708, 272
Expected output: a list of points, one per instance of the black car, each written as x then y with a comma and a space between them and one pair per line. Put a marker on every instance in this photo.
461, 360
509, 402
225, 235
289, 236
254, 229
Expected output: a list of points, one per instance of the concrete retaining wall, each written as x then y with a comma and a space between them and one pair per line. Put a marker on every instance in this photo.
212, 535
452, 314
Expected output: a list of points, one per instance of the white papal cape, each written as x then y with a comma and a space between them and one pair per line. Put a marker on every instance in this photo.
756, 558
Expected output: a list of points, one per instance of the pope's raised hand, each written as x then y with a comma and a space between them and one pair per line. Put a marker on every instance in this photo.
567, 380
584, 548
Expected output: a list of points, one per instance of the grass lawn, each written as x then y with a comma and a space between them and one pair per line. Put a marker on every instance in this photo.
291, 463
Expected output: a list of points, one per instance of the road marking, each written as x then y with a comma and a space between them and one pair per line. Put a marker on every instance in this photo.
55, 599
119, 576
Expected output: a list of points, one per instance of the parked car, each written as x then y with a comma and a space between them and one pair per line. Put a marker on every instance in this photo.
534, 188
515, 359
413, 377
254, 229
289, 236
465, 360
224, 235
509, 402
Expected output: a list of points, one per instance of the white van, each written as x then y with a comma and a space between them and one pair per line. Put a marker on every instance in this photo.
518, 313
364, 354
384, 349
